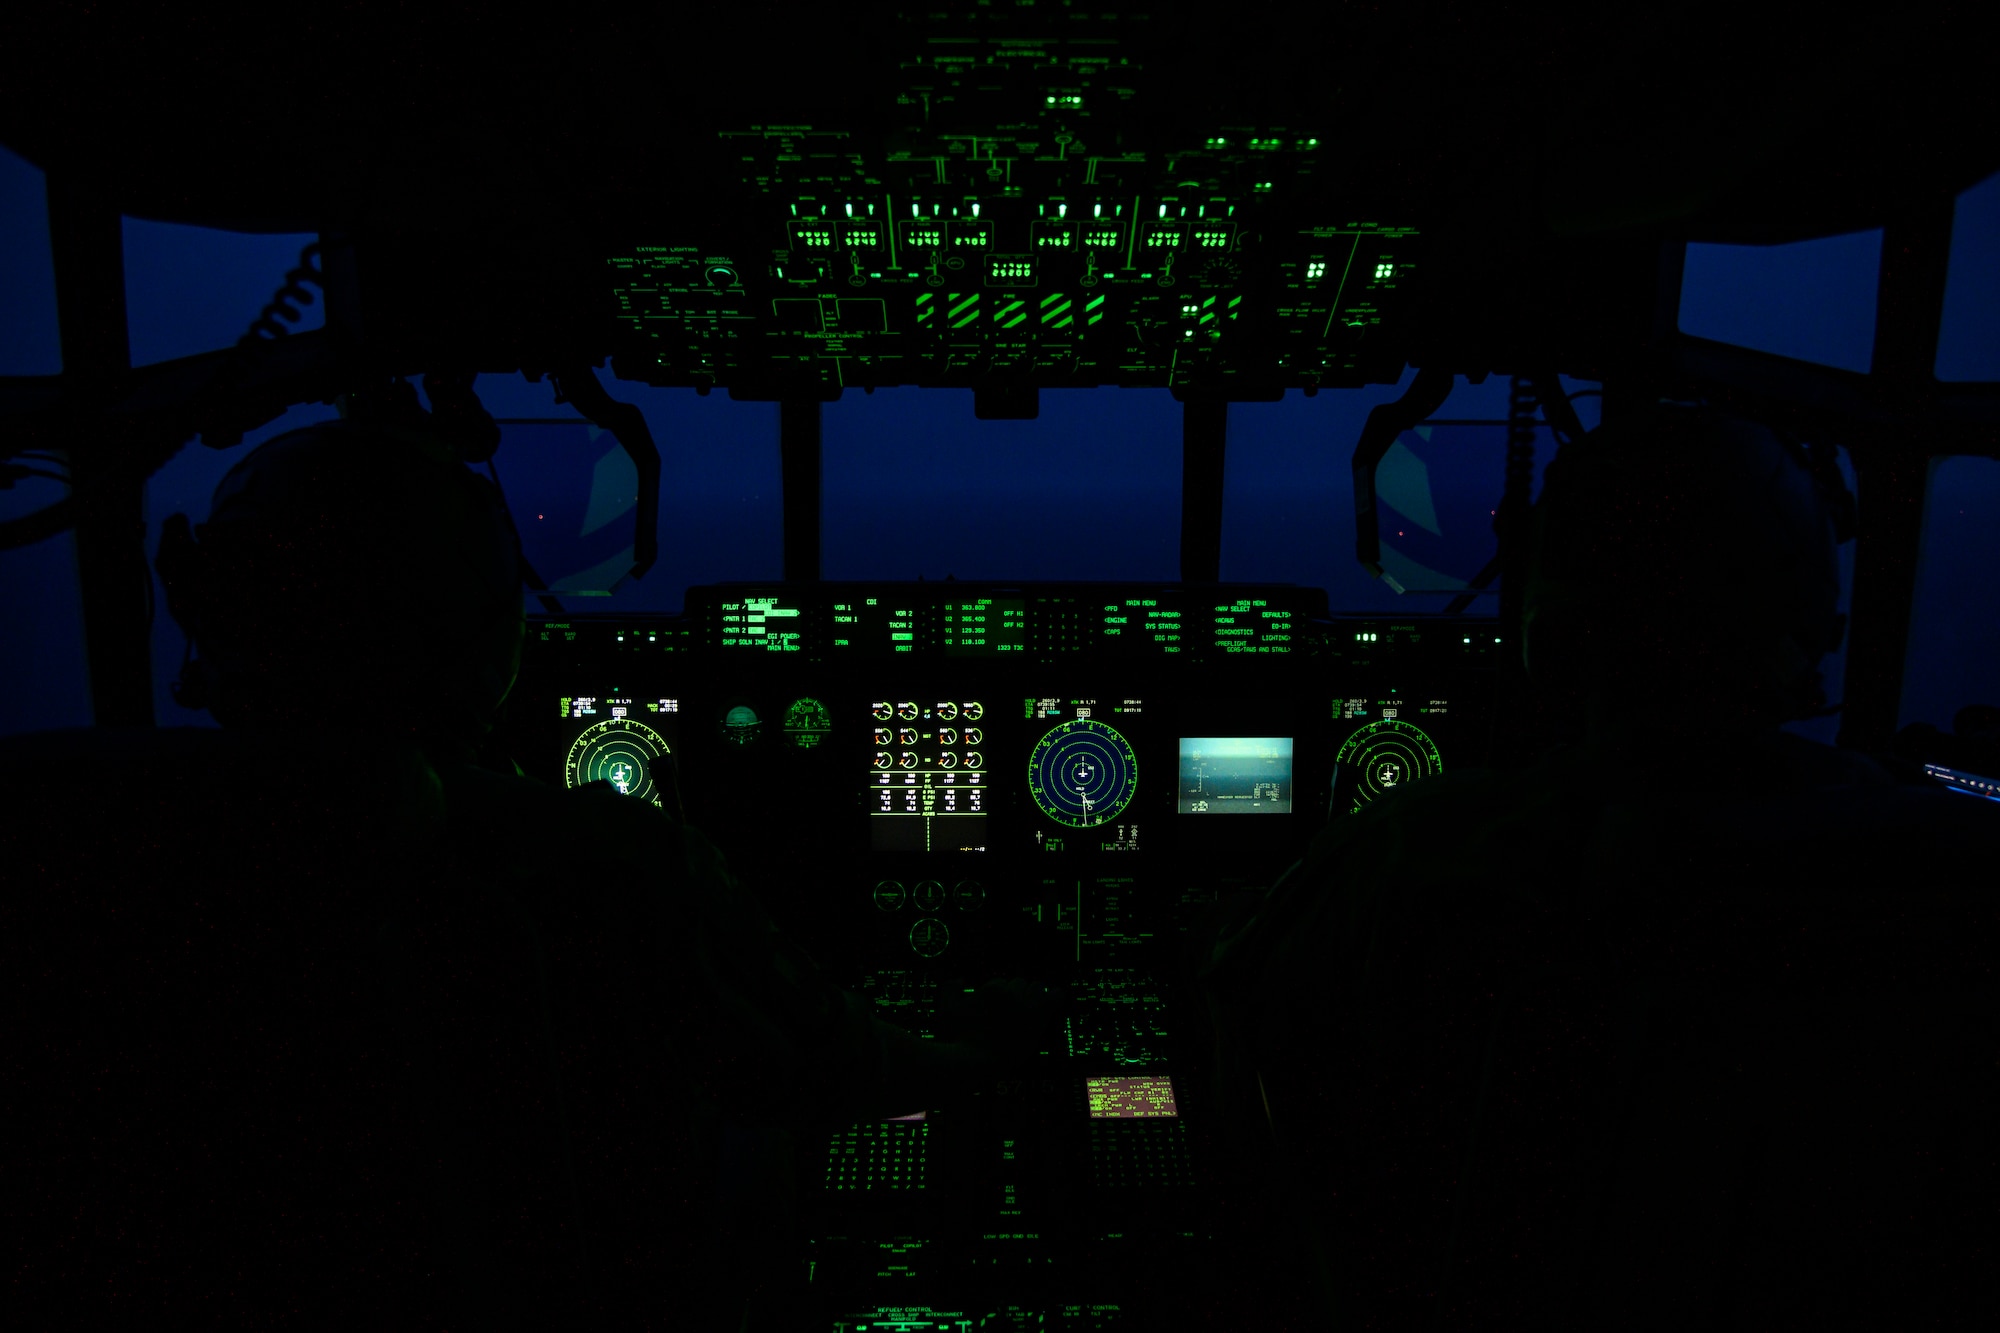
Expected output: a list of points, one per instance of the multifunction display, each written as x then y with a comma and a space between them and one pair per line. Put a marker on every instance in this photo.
621, 741
1025, 623
1131, 1098
1236, 775
1083, 770
761, 623
927, 775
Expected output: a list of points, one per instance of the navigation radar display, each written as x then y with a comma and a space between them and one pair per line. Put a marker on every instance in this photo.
620, 751
1385, 755
1082, 773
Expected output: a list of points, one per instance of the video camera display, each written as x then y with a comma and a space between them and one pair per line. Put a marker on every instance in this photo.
1235, 775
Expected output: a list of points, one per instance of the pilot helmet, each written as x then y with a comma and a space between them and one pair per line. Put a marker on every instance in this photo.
352, 575
1687, 557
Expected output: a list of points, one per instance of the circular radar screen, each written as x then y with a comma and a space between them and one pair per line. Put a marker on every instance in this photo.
621, 752
1082, 774
1386, 755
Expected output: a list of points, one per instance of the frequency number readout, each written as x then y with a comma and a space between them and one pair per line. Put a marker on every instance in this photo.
984, 626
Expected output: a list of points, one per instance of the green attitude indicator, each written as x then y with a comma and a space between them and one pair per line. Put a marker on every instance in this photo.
1082, 773
1386, 755
807, 724
741, 725
621, 752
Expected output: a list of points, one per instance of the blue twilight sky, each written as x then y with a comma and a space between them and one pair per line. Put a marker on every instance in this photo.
915, 486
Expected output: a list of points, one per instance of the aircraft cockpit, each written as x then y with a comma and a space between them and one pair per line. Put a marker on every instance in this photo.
1013, 474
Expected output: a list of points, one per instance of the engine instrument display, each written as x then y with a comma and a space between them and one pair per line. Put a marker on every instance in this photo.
1385, 755
927, 779
1083, 773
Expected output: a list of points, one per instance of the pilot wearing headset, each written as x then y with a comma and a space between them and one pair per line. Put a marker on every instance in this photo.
1435, 1023
357, 578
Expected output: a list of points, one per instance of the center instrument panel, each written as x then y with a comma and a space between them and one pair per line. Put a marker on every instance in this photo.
930, 785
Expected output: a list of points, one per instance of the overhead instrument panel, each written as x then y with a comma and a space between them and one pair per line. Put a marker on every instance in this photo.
1012, 215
